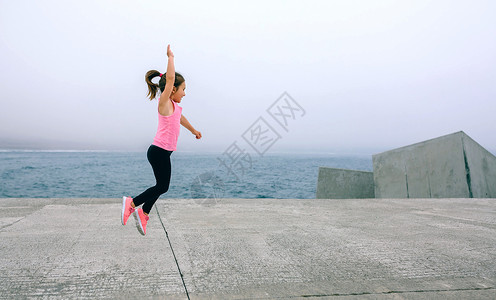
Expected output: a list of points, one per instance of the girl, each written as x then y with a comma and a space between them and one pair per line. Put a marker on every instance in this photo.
172, 88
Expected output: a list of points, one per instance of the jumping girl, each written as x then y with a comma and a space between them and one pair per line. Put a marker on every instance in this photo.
172, 88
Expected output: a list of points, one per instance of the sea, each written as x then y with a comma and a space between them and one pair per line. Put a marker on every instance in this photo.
109, 174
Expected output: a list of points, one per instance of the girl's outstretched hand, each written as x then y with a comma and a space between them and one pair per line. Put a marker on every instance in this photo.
169, 52
197, 134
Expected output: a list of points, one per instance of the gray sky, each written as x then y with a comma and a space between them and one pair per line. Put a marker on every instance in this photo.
370, 75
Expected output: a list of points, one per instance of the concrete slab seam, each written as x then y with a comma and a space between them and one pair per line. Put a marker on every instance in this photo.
380, 293
173, 254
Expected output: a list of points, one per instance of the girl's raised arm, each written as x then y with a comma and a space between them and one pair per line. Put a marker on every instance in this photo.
170, 76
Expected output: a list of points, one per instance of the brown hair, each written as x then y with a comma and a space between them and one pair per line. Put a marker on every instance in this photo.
153, 87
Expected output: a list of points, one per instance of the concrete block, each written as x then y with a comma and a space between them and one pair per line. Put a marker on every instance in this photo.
451, 166
344, 184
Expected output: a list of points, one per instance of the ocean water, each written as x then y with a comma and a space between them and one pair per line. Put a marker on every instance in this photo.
74, 174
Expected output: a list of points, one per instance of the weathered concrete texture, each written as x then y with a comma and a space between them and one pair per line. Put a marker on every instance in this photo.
250, 249
335, 183
266, 249
76, 248
451, 166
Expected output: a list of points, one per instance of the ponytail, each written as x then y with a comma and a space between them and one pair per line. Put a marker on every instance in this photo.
152, 87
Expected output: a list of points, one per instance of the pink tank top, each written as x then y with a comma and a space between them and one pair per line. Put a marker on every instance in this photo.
168, 129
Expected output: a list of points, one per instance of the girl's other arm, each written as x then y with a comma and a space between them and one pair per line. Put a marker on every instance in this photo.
188, 126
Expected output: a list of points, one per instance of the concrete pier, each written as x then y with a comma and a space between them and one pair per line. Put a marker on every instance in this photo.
250, 249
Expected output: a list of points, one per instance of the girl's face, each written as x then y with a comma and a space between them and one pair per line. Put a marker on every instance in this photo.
179, 93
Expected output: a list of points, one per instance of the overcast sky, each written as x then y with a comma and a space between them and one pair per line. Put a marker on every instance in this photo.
370, 75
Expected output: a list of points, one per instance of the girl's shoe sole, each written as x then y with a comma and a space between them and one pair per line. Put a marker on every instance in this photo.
123, 208
138, 222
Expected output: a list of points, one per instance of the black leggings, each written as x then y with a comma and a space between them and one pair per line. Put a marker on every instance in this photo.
160, 160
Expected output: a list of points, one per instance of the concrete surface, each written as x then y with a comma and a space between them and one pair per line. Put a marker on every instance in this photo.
250, 249
451, 166
335, 183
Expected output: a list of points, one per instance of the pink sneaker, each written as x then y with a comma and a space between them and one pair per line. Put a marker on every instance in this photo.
141, 220
127, 209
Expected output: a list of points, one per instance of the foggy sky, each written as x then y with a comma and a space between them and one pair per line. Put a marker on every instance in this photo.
370, 75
